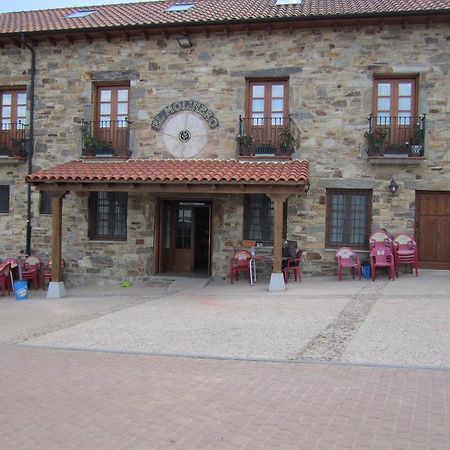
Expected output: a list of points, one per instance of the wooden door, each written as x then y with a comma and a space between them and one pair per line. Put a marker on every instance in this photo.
433, 229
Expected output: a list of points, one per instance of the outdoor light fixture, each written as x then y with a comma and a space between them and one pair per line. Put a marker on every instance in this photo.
307, 187
393, 186
184, 41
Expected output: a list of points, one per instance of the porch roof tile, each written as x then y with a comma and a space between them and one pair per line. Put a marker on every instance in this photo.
176, 171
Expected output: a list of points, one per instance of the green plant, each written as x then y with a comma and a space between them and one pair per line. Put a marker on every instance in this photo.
375, 138
244, 139
287, 139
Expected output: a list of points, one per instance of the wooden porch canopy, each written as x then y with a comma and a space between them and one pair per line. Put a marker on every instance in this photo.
275, 179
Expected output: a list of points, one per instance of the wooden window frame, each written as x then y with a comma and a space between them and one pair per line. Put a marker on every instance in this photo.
14, 91
267, 82
394, 80
111, 235
347, 225
114, 87
5, 198
266, 202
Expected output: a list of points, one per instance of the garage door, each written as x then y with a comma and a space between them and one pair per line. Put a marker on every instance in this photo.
433, 229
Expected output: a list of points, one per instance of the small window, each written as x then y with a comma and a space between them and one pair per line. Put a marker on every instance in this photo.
45, 203
80, 13
348, 219
179, 7
258, 218
4, 199
289, 2
108, 215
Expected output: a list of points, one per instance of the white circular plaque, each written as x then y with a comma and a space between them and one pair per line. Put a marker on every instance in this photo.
184, 134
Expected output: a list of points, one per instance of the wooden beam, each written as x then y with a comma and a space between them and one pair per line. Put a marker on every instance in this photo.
126, 36
52, 41
146, 35
88, 38
108, 37
179, 188
70, 40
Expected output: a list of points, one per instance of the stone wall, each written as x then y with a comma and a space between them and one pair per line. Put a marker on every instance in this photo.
330, 94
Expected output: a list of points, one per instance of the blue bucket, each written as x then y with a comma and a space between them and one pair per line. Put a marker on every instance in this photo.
365, 271
21, 289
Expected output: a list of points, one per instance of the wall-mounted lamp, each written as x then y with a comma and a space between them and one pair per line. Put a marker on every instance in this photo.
184, 41
393, 186
307, 187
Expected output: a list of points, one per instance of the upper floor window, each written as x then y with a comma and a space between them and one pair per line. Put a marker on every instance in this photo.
395, 127
108, 215
112, 105
13, 108
395, 101
258, 218
108, 134
348, 218
267, 119
4, 199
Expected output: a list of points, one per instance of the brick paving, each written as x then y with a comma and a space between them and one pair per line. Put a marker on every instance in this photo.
97, 400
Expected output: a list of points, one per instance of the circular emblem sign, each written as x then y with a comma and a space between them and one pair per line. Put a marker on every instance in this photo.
184, 135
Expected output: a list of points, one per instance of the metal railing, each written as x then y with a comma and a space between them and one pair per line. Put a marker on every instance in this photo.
106, 138
266, 136
13, 139
396, 136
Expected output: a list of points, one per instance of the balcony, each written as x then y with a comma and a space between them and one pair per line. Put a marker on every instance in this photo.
266, 137
13, 140
106, 139
396, 137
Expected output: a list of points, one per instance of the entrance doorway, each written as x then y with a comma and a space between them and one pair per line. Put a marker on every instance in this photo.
185, 237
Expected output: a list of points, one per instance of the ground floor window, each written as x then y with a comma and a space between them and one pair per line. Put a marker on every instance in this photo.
348, 219
108, 215
4, 199
45, 203
258, 218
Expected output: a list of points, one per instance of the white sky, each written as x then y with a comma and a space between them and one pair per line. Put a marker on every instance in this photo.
28, 5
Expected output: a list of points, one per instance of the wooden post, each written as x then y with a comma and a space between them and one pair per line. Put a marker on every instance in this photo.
57, 200
56, 287
277, 280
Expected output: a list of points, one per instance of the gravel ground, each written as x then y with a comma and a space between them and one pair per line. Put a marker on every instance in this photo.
402, 322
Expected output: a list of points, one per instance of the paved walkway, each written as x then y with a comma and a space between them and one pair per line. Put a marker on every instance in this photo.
85, 399
93, 400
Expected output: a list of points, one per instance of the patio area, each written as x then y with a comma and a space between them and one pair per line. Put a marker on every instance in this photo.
406, 322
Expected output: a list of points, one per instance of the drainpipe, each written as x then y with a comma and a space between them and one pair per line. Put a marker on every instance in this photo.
30, 140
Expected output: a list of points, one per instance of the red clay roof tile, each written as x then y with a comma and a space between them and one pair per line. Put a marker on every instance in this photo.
176, 171
203, 11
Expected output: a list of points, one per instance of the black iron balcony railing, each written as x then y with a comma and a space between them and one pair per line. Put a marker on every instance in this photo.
13, 140
107, 138
396, 136
266, 136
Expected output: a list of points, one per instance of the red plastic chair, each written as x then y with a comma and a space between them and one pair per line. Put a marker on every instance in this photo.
30, 270
346, 257
240, 262
406, 253
382, 255
5, 278
46, 273
293, 265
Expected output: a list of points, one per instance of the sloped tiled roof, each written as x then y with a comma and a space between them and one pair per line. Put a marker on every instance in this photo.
176, 171
205, 11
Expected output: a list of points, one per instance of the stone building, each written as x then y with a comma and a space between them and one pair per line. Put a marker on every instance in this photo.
157, 136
